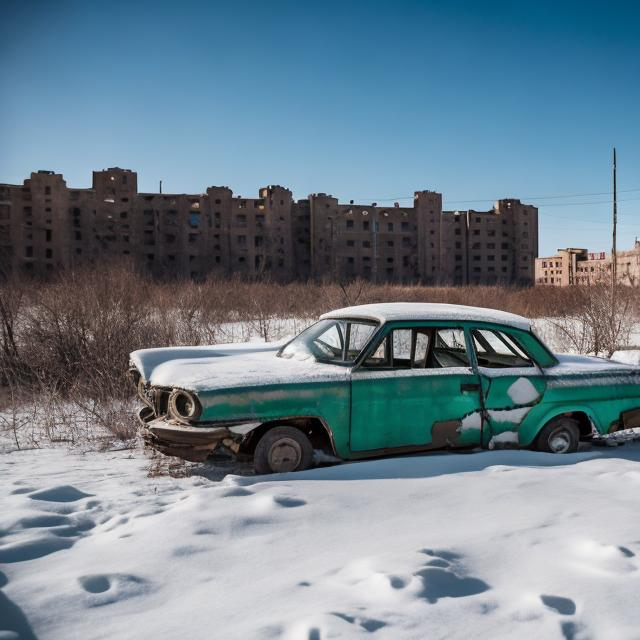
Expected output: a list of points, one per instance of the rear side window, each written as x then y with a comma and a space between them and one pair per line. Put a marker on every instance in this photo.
449, 349
497, 350
420, 348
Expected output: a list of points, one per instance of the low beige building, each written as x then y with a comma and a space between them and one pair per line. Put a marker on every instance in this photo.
572, 266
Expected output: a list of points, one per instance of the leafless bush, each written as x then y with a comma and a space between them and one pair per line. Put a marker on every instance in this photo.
600, 320
64, 344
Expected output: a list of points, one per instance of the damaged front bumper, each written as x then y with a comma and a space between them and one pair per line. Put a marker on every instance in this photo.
188, 442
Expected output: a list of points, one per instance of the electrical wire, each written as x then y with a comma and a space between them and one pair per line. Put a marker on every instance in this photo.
554, 197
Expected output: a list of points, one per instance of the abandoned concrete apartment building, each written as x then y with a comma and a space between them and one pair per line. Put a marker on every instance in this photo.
46, 226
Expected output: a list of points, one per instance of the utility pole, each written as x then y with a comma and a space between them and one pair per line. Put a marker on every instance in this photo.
614, 256
160, 186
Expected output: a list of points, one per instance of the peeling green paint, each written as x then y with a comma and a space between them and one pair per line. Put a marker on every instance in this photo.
368, 412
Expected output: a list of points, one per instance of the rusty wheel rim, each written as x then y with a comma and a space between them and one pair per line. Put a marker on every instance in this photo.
560, 441
285, 455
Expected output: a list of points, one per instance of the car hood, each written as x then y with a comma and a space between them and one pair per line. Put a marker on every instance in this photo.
228, 366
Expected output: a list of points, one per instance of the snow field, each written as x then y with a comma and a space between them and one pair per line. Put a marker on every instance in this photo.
494, 544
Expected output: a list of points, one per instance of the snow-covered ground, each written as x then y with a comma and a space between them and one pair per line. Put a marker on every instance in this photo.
493, 544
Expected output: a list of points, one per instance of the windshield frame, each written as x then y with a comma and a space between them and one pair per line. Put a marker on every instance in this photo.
345, 338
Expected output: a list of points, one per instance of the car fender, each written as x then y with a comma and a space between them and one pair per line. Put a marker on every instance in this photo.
530, 429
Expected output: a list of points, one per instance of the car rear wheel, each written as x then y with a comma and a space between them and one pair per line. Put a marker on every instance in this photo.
283, 449
561, 435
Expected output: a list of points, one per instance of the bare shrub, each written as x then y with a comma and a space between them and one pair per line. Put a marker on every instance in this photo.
64, 344
600, 320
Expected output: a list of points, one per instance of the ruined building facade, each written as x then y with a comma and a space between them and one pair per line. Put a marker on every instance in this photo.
572, 266
46, 226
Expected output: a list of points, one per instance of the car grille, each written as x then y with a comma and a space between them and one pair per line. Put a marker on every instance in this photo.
161, 402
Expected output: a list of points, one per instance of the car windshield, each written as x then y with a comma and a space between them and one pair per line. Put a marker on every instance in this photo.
338, 341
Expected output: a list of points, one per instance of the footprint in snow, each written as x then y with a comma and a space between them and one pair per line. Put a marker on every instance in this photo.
442, 554
368, 624
288, 503
574, 631
442, 583
563, 606
234, 492
439, 580
107, 588
32, 549
62, 493
608, 558
22, 490
44, 520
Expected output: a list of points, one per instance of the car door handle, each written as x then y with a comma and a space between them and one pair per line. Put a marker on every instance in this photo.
469, 387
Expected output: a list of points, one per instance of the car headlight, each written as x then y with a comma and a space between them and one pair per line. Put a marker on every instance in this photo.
183, 406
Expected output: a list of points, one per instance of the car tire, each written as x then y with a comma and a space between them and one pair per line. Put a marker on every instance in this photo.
282, 449
561, 435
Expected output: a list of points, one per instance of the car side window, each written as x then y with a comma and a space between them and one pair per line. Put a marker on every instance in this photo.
449, 349
380, 358
358, 336
497, 350
402, 349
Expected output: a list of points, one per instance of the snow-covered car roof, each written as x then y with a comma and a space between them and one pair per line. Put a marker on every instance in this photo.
389, 311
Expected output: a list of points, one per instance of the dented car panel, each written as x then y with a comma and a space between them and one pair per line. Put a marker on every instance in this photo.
382, 379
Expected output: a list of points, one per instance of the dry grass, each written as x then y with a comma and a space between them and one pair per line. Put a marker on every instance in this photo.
64, 344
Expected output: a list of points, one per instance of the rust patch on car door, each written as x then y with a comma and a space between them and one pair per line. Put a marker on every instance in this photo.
445, 434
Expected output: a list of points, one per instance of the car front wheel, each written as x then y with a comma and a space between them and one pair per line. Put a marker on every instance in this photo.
282, 449
559, 436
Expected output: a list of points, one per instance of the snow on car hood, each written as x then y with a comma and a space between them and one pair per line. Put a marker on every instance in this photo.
228, 366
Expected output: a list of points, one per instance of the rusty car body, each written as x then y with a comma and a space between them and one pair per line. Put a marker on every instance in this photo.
381, 379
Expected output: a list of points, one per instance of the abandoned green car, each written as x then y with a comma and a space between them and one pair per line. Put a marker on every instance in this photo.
382, 379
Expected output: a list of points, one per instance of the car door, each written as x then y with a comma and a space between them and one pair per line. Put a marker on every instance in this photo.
415, 388
511, 381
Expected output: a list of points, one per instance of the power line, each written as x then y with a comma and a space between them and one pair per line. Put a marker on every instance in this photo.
554, 197
577, 204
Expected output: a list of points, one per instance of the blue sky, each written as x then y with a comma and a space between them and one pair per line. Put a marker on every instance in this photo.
365, 100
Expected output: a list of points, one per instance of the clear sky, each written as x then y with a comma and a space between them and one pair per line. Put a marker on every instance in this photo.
365, 100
